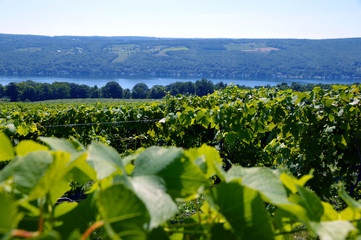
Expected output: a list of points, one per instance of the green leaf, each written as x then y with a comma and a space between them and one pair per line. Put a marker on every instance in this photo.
158, 234
298, 212
22, 130
78, 218
123, 212
219, 232
208, 160
311, 203
9, 217
231, 138
155, 159
64, 208
60, 185
53, 180
335, 230
27, 146
75, 235
6, 148
350, 214
284, 222
151, 190
331, 117
329, 102
42, 172
352, 203
329, 214
291, 182
59, 144
181, 176
244, 135
104, 160
81, 172
7, 171
244, 210
262, 180
30, 169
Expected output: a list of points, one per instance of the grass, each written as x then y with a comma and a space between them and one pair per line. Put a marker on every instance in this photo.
175, 49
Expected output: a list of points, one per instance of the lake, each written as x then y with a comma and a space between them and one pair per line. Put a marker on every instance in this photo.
151, 81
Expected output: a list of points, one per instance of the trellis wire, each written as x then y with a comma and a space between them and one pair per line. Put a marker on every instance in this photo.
100, 123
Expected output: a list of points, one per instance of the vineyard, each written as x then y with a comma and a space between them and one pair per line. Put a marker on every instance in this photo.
257, 164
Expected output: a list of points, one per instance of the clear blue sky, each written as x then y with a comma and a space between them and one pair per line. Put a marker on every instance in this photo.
184, 18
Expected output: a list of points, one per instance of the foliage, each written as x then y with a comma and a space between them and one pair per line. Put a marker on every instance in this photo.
266, 127
135, 197
112, 90
30, 91
301, 131
140, 91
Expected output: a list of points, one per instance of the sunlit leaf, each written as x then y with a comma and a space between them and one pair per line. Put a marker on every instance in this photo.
182, 178
6, 148
334, 230
59, 144
291, 182
152, 191
25, 147
262, 180
208, 160
104, 160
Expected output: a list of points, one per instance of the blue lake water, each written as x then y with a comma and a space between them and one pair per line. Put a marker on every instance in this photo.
151, 81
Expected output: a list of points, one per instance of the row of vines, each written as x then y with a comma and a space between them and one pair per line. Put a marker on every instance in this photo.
254, 136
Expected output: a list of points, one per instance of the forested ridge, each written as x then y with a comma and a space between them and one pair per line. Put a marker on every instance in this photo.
128, 56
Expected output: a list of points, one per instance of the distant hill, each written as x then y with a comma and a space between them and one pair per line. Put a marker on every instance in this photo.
148, 56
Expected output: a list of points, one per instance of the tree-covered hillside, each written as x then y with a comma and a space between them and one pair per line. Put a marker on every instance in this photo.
42, 55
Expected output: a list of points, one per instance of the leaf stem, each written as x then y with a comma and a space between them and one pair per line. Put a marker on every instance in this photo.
41, 217
24, 234
92, 229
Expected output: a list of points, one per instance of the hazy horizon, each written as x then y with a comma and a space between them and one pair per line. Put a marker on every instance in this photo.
152, 37
280, 19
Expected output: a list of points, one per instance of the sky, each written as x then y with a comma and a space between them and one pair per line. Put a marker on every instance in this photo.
312, 19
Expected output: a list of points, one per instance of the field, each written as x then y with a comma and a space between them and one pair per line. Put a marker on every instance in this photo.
123, 51
235, 164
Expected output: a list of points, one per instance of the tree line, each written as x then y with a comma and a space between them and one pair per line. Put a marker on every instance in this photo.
32, 91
